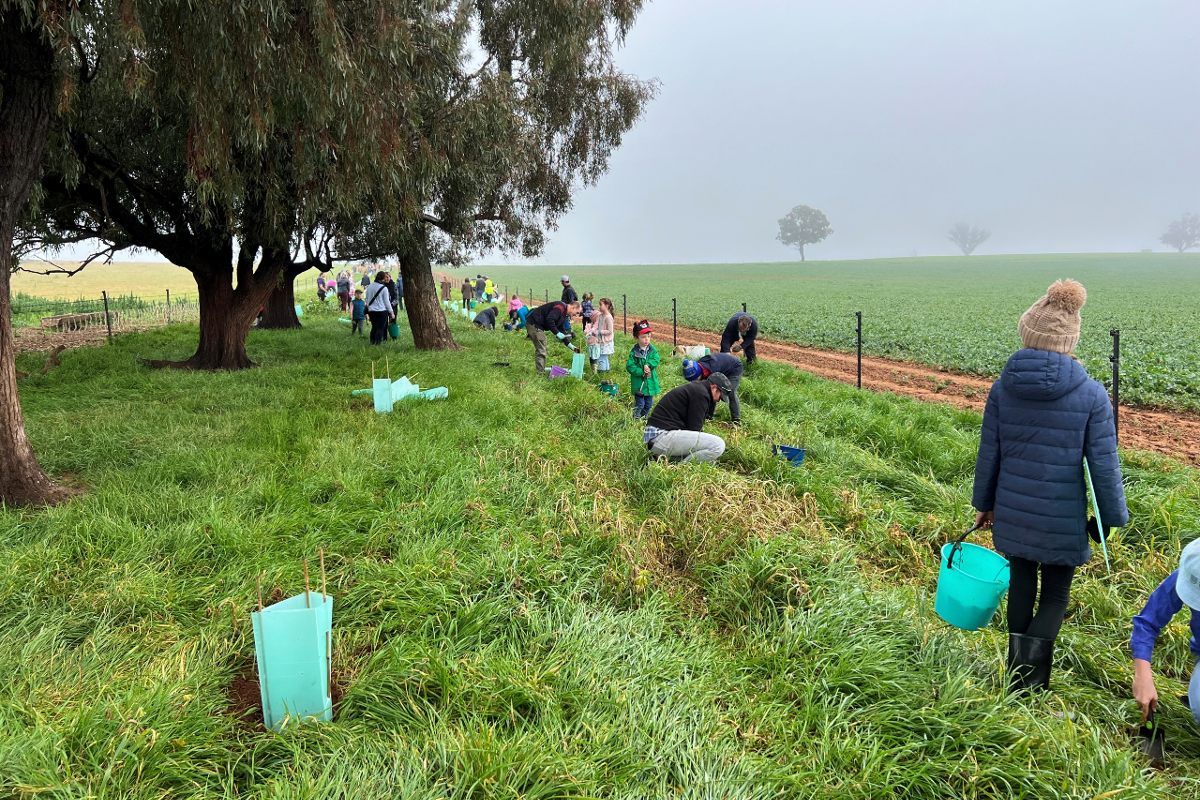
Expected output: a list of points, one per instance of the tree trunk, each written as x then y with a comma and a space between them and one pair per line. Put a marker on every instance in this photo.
425, 315
226, 315
26, 102
280, 310
802, 252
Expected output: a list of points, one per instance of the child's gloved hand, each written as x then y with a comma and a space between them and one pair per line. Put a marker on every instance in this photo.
1093, 530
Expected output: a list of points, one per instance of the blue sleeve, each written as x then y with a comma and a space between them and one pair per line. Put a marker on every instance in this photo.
1163, 604
1100, 448
987, 463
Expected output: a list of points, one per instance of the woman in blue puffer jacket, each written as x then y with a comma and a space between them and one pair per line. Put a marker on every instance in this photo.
1043, 417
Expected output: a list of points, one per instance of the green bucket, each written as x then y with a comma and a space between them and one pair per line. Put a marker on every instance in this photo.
971, 582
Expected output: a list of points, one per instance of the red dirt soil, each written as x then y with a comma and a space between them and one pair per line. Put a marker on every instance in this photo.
1170, 433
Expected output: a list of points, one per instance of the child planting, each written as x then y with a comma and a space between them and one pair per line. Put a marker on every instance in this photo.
358, 313
1181, 588
642, 365
1043, 417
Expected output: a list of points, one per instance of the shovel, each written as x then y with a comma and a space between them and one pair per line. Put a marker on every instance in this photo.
1152, 742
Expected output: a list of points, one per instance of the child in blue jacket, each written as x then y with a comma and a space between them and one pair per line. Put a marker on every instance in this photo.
1181, 588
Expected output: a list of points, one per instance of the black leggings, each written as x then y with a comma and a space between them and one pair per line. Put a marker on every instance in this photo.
1023, 591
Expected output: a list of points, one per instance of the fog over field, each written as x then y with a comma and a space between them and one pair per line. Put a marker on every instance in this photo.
1065, 126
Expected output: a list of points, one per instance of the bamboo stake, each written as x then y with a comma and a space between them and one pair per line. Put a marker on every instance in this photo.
388, 366
259, 581
307, 602
324, 587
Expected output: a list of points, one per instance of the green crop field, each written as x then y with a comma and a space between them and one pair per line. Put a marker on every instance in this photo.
529, 607
959, 313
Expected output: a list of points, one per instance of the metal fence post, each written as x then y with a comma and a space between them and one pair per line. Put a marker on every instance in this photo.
674, 325
858, 315
743, 308
168, 306
624, 316
107, 317
1115, 358
547, 297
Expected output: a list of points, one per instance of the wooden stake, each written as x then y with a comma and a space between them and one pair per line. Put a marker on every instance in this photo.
388, 366
259, 581
372, 372
324, 588
307, 602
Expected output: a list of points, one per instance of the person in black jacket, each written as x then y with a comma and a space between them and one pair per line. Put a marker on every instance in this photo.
568, 295
553, 318
743, 327
675, 427
486, 319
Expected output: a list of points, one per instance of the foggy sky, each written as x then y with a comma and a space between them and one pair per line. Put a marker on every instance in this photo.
1060, 125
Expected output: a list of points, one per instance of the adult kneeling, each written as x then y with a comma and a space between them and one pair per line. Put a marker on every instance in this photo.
675, 426
728, 365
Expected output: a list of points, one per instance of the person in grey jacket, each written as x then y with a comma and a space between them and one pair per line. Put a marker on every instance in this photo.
1043, 417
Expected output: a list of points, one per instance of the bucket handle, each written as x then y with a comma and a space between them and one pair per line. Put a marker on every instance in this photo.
957, 548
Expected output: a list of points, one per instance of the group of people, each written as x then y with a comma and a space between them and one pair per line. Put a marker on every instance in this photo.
1044, 416
379, 301
343, 285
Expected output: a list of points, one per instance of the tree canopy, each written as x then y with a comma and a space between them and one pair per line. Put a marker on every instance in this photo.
1183, 233
967, 237
803, 225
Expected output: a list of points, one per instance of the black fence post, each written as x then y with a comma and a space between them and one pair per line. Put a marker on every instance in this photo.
547, 297
1115, 358
107, 317
743, 308
858, 332
624, 316
168, 306
674, 325
530, 295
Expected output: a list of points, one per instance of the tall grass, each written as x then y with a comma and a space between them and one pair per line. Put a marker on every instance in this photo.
526, 605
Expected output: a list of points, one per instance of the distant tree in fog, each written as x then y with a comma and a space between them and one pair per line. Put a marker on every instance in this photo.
803, 225
967, 237
1183, 233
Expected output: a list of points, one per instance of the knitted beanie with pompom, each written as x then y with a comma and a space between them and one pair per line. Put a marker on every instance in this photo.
1052, 323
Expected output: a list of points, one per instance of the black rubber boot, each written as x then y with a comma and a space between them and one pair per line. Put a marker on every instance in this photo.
1029, 661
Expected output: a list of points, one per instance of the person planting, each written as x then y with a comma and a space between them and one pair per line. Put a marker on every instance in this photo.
675, 427
549, 318
1043, 417
568, 292
642, 366
486, 319
1181, 588
740, 333
515, 303
728, 365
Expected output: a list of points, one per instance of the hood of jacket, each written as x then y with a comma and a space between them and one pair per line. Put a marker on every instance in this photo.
1041, 374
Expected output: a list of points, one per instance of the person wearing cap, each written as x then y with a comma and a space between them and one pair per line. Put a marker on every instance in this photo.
740, 333
676, 425
728, 365
553, 318
568, 293
1043, 417
1181, 588
642, 366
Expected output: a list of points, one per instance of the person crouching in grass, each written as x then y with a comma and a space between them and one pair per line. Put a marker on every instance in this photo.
1043, 417
1181, 588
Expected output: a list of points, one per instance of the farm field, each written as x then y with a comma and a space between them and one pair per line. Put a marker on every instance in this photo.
525, 605
120, 278
953, 312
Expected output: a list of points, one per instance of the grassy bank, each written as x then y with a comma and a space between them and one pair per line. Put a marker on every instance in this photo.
525, 605
950, 311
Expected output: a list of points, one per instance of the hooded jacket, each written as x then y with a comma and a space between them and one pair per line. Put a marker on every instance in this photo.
1043, 417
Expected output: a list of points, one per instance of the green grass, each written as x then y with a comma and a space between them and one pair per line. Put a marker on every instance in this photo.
958, 312
525, 605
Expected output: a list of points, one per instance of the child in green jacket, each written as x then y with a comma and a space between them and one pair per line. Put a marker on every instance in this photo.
643, 370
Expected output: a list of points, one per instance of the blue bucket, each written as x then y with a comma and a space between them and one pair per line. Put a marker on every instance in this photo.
794, 455
972, 580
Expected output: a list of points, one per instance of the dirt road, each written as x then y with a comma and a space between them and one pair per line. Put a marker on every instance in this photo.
1171, 433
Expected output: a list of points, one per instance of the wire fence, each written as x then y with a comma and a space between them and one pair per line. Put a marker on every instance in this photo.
110, 315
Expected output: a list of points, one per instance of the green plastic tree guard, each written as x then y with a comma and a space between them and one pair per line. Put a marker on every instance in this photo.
299, 310
382, 392
577, 362
292, 645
